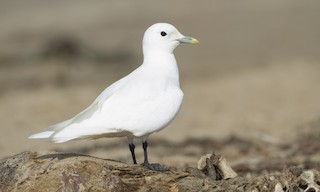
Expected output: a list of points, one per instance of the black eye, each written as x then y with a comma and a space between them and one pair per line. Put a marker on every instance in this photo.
163, 33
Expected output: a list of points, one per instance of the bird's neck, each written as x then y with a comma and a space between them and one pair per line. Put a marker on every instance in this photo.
162, 64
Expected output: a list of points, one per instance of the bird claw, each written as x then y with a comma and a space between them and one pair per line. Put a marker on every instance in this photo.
155, 167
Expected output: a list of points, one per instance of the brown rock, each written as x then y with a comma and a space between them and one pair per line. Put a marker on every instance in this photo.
31, 171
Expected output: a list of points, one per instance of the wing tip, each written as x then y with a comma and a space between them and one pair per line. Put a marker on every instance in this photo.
42, 135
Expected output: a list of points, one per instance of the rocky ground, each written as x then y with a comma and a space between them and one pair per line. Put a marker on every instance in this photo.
267, 167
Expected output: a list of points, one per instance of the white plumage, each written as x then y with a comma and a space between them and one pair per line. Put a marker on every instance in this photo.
143, 102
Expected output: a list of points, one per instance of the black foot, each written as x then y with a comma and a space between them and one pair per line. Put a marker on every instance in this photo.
155, 167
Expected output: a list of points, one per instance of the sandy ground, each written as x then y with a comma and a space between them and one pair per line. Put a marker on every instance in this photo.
255, 74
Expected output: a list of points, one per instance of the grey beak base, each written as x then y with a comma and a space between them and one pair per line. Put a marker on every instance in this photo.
188, 40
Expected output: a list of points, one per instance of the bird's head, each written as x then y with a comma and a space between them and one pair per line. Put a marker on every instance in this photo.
164, 38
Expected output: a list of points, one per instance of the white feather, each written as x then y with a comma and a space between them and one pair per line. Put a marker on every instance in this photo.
42, 135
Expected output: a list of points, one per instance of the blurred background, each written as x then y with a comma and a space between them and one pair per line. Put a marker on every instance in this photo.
254, 76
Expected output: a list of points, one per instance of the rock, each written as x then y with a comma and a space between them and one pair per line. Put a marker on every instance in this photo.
309, 181
32, 171
202, 162
216, 166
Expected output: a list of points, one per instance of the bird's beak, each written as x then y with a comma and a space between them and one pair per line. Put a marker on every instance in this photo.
189, 40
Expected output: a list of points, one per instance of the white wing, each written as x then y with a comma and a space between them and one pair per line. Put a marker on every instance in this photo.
53, 130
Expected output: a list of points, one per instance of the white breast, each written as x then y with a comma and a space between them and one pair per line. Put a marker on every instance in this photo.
152, 104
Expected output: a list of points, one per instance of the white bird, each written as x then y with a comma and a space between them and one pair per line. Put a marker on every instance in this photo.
141, 103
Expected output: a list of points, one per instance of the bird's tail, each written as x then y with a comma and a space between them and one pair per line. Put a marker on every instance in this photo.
42, 135
55, 129
51, 136
51, 131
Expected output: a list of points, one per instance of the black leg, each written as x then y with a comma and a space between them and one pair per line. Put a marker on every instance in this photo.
131, 146
153, 166
145, 152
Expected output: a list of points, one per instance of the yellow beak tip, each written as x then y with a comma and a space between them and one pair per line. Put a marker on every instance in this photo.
195, 41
